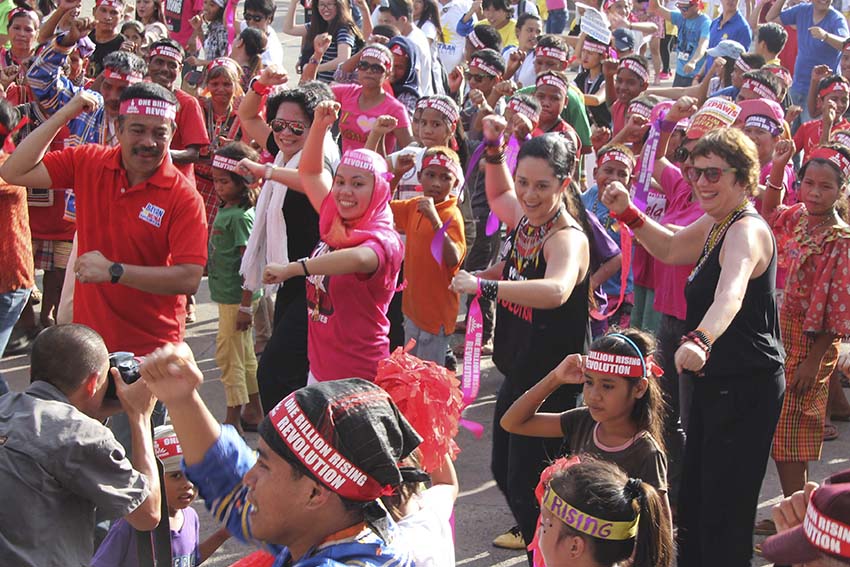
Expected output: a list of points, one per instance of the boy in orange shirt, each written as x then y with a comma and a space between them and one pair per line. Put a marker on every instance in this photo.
429, 306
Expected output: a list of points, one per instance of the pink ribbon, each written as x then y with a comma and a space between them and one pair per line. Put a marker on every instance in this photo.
471, 379
437, 242
647, 156
493, 224
230, 20
626, 250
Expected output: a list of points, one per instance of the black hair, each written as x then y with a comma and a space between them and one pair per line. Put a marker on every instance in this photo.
527, 100
139, 26
728, 67
767, 79
126, 63
639, 59
9, 118
489, 36
67, 355
147, 90
307, 96
431, 13
524, 18
459, 135
255, 42
773, 35
503, 5
649, 411
401, 9
553, 41
168, 42
239, 151
318, 25
46, 7
841, 205
754, 60
264, 7
386, 30
491, 58
601, 489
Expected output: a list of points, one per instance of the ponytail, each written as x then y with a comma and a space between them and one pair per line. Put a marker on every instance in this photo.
654, 542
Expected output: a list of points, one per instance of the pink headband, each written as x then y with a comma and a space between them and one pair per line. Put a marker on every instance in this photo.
635, 68
149, 107
167, 447
552, 80
354, 159
835, 86
834, 157
475, 41
110, 4
520, 107
450, 111
742, 65
479, 63
168, 52
594, 47
765, 123
615, 364
619, 156
320, 457
640, 109
225, 163
761, 90
224, 62
553, 52
126, 77
443, 160
375, 53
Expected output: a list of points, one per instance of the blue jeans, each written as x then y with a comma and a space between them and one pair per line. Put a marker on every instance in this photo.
11, 305
801, 99
556, 21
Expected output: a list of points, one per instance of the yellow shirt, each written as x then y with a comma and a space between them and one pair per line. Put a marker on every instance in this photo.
508, 33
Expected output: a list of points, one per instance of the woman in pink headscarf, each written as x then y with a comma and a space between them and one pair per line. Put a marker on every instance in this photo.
352, 273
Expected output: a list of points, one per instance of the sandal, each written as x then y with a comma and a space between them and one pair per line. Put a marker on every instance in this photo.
765, 528
830, 432
840, 417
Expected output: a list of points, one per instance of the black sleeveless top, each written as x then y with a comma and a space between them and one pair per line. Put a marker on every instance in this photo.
528, 342
752, 342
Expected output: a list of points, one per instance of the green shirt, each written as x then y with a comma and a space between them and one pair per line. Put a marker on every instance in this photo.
6, 6
230, 232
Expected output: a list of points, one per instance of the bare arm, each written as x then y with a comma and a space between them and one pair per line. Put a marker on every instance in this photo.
190, 155
357, 260
163, 280
774, 11
147, 515
289, 25
606, 271
834, 41
343, 55
656, 8
48, 28
314, 179
207, 547
249, 109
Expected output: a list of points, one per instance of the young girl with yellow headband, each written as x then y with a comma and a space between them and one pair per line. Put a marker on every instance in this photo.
594, 515
622, 419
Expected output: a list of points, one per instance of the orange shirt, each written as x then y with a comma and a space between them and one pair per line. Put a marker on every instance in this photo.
160, 222
427, 300
15, 241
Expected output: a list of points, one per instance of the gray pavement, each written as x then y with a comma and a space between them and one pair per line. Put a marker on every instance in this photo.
481, 513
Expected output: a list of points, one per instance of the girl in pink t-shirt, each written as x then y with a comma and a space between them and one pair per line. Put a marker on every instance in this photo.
352, 273
362, 104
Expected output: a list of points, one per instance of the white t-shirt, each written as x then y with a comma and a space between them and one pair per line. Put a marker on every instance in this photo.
525, 75
408, 185
428, 531
528, 8
423, 50
451, 51
430, 31
274, 49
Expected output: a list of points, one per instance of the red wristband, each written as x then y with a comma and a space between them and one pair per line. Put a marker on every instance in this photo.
259, 87
628, 216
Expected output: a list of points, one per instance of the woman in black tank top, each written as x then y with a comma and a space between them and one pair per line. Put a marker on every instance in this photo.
542, 291
733, 348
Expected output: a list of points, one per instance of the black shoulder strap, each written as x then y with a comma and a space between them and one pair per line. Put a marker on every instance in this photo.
154, 548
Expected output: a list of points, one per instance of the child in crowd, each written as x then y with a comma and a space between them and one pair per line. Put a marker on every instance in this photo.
814, 238
833, 94
234, 352
134, 31
624, 81
623, 418
429, 306
551, 93
590, 81
763, 121
120, 548
498, 13
628, 524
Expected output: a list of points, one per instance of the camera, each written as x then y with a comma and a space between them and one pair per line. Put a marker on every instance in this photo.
128, 367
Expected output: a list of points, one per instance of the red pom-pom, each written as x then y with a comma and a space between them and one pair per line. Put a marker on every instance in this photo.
429, 397
256, 559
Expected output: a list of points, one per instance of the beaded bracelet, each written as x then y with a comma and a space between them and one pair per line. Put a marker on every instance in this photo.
489, 289
700, 339
494, 158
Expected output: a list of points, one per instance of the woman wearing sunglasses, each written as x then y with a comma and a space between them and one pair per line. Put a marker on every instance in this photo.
286, 227
732, 344
352, 272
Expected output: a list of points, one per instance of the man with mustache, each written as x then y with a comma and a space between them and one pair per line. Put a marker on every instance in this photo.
141, 226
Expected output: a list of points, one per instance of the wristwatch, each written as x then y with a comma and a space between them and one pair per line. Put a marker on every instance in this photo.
116, 270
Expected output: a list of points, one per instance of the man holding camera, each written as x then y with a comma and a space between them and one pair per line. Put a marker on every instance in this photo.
58, 462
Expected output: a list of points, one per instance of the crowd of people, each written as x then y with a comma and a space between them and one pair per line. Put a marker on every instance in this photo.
661, 274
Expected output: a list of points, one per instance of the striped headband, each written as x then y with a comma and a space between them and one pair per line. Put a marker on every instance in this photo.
479, 63
553, 52
225, 163
636, 68
443, 160
448, 110
552, 80
834, 157
743, 65
168, 52
119, 76
526, 110
375, 53
761, 90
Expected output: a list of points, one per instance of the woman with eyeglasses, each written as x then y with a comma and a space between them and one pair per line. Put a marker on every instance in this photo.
286, 227
732, 344
332, 17
362, 104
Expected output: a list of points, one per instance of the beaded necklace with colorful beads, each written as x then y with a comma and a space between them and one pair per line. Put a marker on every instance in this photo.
530, 239
718, 231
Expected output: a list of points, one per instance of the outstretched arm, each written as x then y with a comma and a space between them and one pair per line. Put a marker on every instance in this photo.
315, 180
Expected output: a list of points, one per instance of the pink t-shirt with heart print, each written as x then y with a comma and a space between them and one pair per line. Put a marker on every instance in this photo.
356, 123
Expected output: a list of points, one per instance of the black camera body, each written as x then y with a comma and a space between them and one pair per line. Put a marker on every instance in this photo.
128, 367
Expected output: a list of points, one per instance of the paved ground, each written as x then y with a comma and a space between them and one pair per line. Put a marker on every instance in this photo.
481, 513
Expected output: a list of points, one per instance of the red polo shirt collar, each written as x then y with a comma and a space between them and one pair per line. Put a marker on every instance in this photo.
163, 178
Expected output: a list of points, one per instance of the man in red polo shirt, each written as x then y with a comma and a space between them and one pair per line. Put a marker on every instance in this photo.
141, 226
165, 64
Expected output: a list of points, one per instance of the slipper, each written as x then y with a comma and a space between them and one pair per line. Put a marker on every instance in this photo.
248, 427
830, 432
765, 528
840, 417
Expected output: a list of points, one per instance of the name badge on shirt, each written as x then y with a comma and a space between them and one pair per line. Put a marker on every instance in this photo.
683, 56
152, 214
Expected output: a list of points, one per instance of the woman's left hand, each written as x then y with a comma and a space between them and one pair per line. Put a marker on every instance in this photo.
805, 377
464, 282
689, 357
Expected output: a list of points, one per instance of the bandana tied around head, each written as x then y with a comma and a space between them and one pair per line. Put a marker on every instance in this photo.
618, 155
636, 68
149, 107
475, 41
225, 163
761, 90
119, 76
379, 54
585, 523
520, 107
834, 157
443, 160
765, 123
445, 108
834, 87
553, 81
625, 366
224, 62
478, 63
595, 47
552, 52
640, 109
168, 52
742, 65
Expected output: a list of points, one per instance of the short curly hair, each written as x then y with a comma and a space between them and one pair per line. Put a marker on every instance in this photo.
735, 148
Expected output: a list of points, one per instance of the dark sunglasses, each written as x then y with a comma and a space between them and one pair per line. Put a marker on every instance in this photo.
374, 67
712, 174
681, 154
254, 17
279, 124
477, 77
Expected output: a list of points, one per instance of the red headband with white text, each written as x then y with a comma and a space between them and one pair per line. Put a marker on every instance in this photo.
443, 160
168, 52
119, 76
834, 87
553, 52
834, 157
552, 81
448, 110
761, 90
827, 534
379, 54
149, 107
636, 68
520, 107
